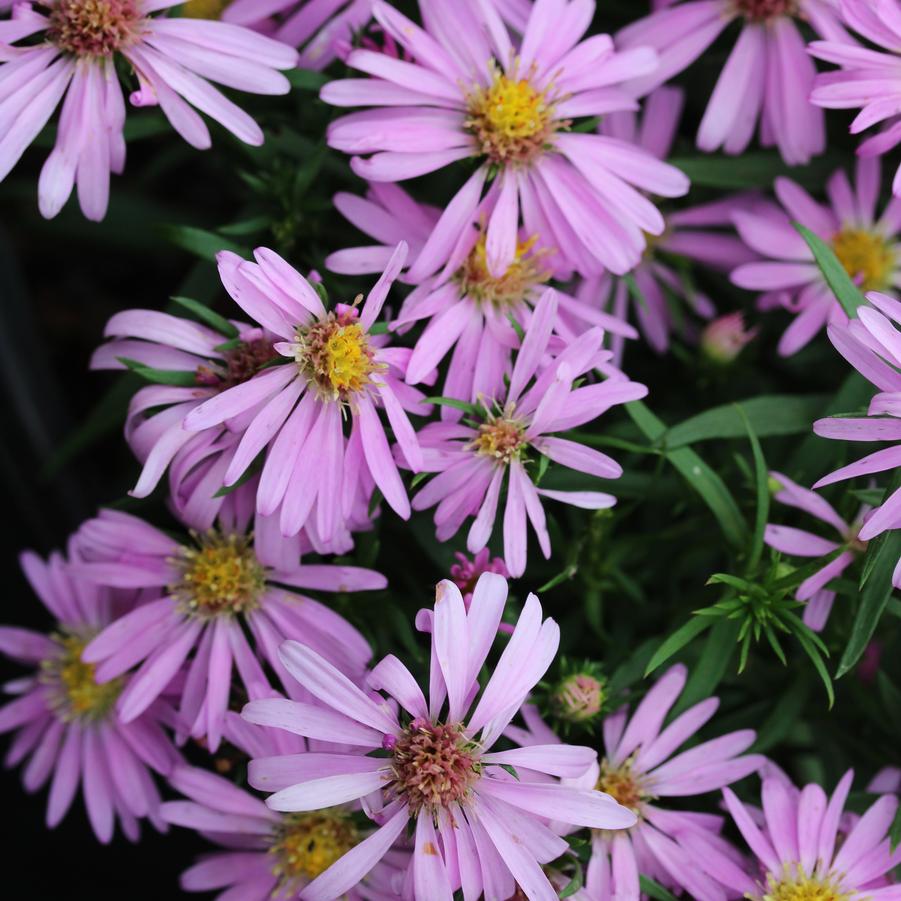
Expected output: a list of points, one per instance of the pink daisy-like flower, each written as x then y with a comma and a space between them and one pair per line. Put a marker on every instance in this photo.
867, 246
470, 94
767, 78
474, 462
266, 855
639, 770
798, 849
800, 543
320, 28
332, 369
871, 343
467, 308
868, 79
206, 592
64, 714
477, 828
467, 571
701, 233
73, 51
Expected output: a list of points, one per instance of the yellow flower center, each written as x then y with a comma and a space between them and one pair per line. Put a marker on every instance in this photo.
307, 844
502, 438
336, 356
512, 121
221, 575
92, 27
509, 289
75, 692
204, 9
796, 885
866, 256
622, 785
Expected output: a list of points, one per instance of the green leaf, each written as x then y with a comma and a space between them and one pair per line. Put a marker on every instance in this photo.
708, 672
246, 226
511, 770
884, 550
563, 576
456, 404
675, 642
574, 884
818, 664
894, 832
843, 287
655, 890
160, 376
245, 477
751, 170
768, 414
205, 314
761, 478
784, 715
202, 243
698, 474
306, 79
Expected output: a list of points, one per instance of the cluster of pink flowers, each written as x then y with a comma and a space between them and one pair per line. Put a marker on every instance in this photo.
492, 337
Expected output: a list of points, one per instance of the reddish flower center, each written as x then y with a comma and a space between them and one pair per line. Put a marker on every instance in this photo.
433, 765
75, 693
93, 27
307, 844
221, 575
509, 289
764, 10
240, 364
502, 438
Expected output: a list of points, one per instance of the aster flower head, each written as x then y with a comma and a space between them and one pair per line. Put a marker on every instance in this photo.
476, 827
867, 245
866, 79
264, 854
767, 78
72, 51
467, 571
319, 30
701, 233
471, 94
724, 338
640, 771
207, 593
333, 370
799, 850
467, 308
64, 715
801, 543
871, 343
474, 460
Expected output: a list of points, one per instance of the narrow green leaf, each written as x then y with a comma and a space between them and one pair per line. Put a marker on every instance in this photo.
562, 576
306, 79
245, 477
574, 884
769, 414
818, 664
761, 478
750, 170
894, 832
456, 404
511, 770
708, 672
784, 715
208, 316
202, 243
675, 642
246, 226
655, 890
843, 287
160, 376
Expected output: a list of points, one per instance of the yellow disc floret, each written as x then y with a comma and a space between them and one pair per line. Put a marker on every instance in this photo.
795, 885
501, 437
221, 575
336, 355
511, 120
866, 256
624, 786
507, 290
75, 693
307, 844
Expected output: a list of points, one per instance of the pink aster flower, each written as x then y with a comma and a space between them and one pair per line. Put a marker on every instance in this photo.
700, 233
64, 714
474, 462
265, 854
868, 79
72, 51
466, 308
639, 770
871, 343
767, 78
333, 370
867, 246
798, 849
476, 827
206, 592
320, 28
470, 94
800, 543
467, 571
